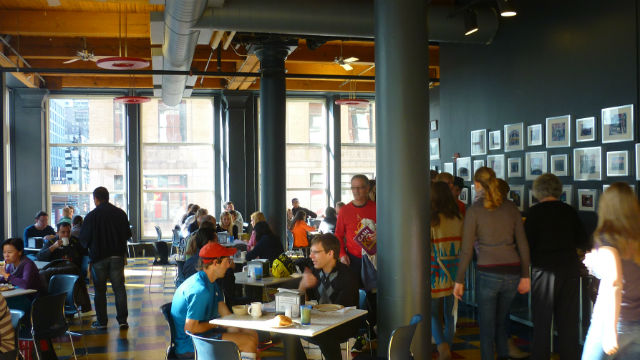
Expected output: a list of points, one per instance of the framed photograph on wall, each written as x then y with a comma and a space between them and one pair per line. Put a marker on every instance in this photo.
534, 135
560, 165
495, 140
463, 168
586, 129
479, 142
464, 195
434, 125
535, 164
618, 163
514, 167
559, 131
532, 198
587, 164
448, 167
496, 162
516, 194
637, 161
434, 149
567, 194
617, 124
513, 137
587, 199
477, 164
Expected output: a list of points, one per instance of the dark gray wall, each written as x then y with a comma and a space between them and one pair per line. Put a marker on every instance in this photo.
554, 58
27, 158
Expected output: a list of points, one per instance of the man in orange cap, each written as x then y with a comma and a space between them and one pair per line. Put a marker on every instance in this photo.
199, 299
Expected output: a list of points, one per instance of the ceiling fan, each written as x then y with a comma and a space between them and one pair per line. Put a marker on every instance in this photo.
345, 63
84, 54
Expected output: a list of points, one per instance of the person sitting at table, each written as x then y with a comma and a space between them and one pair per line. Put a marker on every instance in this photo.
20, 271
256, 217
329, 282
190, 246
200, 214
56, 252
328, 224
76, 226
299, 229
226, 224
186, 214
238, 219
191, 217
200, 299
40, 229
67, 214
268, 247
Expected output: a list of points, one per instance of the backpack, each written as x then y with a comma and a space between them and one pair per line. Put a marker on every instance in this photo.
282, 266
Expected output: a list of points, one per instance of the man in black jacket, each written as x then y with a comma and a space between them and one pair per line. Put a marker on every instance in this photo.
105, 232
295, 207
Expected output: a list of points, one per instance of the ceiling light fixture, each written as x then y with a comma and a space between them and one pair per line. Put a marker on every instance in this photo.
122, 62
506, 9
470, 22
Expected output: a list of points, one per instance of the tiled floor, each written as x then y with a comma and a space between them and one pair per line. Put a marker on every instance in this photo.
148, 335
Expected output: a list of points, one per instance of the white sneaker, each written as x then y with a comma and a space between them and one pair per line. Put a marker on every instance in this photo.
85, 314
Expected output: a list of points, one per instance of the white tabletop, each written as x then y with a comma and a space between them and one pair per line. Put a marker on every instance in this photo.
41, 264
320, 322
17, 292
242, 279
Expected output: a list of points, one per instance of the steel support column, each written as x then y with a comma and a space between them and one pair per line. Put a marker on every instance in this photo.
402, 162
235, 112
334, 149
271, 136
133, 120
218, 182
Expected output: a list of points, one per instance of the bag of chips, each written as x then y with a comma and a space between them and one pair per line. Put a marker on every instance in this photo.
282, 266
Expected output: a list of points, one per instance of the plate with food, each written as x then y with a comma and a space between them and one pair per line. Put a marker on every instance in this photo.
281, 321
6, 287
328, 307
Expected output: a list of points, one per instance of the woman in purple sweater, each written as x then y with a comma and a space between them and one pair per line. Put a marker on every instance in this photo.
19, 270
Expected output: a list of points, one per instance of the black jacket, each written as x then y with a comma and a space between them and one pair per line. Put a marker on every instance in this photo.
310, 213
268, 247
105, 232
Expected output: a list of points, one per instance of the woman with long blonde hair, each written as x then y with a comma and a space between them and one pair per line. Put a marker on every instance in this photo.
615, 260
503, 260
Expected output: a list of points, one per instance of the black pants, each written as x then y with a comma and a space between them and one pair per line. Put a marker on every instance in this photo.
329, 341
355, 266
557, 294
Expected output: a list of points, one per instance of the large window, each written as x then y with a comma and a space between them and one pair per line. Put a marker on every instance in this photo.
86, 150
306, 153
177, 161
358, 138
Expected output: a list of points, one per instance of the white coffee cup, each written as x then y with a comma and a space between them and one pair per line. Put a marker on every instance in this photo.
65, 241
255, 309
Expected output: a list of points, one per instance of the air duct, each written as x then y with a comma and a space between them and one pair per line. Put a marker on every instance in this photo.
179, 45
338, 18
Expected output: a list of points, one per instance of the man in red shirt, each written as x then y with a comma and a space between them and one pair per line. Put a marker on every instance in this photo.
350, 221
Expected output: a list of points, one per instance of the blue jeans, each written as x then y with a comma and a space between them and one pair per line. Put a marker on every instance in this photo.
628, 342
112, 268
494, 293
442, 332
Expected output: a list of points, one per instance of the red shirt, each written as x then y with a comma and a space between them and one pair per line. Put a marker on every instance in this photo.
461, 207
349, 223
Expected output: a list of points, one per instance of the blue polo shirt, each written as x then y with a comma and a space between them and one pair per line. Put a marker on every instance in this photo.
197, 298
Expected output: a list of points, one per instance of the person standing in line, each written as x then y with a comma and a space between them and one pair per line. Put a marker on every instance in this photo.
104, 233
446, 236
615, 322
503, 261
555, 233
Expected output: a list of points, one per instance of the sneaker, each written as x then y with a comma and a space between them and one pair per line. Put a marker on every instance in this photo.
124, 326
84, 314
359, 344
97, 325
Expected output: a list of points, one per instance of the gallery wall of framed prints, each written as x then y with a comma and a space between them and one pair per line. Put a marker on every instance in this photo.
587, 153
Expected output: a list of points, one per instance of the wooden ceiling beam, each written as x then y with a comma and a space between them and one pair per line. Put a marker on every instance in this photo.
321, 85
117, 82
73, 23
65, 48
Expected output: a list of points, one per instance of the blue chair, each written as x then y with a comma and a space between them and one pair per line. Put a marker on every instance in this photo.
65, 283
48, 321
212, 349
16, 316
400, 341
171, 349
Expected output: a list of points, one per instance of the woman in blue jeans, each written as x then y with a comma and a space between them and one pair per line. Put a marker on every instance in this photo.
495, 227
614, 332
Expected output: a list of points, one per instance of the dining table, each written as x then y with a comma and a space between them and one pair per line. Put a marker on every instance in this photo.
321, 321
17, 292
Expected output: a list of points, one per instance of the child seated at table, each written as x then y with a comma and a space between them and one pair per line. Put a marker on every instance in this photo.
299, 229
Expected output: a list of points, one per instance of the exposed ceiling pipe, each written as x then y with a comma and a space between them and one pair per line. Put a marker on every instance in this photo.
338, 18
179, 45
227, 42
217, 37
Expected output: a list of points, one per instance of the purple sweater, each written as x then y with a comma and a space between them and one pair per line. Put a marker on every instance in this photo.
25, 275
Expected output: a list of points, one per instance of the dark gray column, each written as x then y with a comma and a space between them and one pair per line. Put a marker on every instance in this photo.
3, 113
133, 155
271, 137
402, 108
334, 150
28, 162
235, 112
251, 159
217, 156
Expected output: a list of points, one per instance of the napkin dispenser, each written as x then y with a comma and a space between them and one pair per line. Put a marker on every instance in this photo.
288, 298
